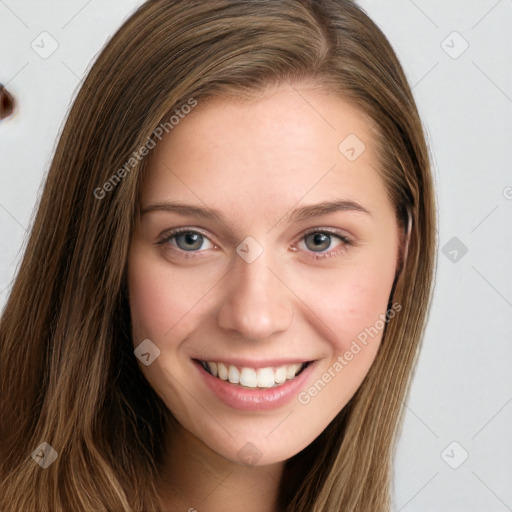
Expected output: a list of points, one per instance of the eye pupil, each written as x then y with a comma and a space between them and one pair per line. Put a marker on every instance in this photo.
321, 241
189, 241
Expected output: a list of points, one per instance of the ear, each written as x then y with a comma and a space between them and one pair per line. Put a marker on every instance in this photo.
402, 255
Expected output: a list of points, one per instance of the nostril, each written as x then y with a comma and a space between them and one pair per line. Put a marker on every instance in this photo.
7, 103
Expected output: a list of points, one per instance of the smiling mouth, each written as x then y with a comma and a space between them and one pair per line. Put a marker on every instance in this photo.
247, 377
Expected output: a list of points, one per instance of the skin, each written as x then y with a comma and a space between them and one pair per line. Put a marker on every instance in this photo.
256, 161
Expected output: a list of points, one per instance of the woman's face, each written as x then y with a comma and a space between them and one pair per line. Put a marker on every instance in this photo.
286, 257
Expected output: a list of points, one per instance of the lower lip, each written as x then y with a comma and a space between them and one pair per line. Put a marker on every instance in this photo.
255, 399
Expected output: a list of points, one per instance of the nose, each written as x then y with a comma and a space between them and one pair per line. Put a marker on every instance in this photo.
257, 303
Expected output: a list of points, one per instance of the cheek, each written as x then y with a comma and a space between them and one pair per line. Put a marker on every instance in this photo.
162, 302
350, 301
151, 304
352, 304
160, 306
354, 310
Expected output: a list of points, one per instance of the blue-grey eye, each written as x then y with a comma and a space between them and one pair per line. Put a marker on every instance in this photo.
317, 241
189, 240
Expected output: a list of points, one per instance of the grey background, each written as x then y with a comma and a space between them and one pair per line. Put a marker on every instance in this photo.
461, 399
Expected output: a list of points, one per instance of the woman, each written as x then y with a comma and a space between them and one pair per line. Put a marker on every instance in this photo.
223, 296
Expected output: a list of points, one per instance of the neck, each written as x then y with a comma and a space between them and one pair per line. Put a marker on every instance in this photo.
195, 478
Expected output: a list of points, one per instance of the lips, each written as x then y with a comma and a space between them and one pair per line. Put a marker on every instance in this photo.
252, 377
254, 398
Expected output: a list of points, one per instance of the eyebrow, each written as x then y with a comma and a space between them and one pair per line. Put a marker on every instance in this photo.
296, 215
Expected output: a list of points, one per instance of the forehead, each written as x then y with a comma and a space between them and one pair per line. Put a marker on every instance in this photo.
288, 146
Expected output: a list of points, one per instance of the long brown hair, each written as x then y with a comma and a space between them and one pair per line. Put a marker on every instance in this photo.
67, 371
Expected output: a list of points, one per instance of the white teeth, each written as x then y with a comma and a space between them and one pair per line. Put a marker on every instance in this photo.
248, 378
290, 371
213, 368
222, 371
252, 377
280, 375
265, 377
233, 375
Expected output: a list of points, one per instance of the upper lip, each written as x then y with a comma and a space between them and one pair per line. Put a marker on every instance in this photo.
248, 363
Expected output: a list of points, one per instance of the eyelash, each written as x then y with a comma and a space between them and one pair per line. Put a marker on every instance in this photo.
334, 233
318, 256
